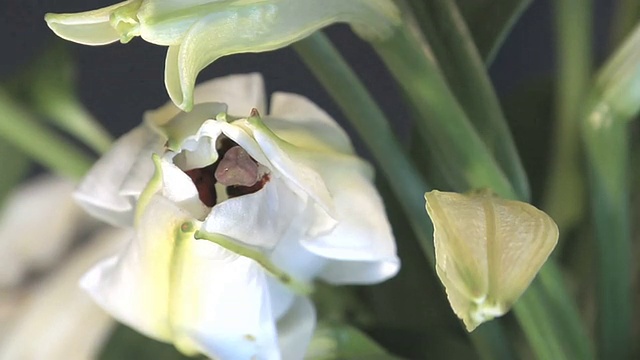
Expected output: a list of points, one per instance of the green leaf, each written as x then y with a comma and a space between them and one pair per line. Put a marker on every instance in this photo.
125, 343
15, 166
490, 21
467, 77
341, 341
19, 128
48, 86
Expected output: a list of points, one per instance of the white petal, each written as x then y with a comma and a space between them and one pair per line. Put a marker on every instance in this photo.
32, 236
230, 316
110, 189
240, 93
291, 163
297, 120
258, 27
57, 303
361, 246
296, 329
260, 219
180, 189
198, 295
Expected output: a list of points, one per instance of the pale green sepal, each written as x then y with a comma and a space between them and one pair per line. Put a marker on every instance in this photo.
488, 250
264, 26
97, 27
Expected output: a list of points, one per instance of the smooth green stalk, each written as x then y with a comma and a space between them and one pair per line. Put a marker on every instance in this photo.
370, 122
606, 142
490, 22
442, 123
422, 82
15, 166
466, 74
564, 199
48, 85
626, 16
20, 129
71, 116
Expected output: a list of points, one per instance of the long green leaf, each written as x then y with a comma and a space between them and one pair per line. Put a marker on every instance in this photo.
364, 114
15, 166
564, 198
466, 75
442, 123
21, 130
490, 21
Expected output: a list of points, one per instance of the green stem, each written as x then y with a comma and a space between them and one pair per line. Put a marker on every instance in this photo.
564, 199
465, 72
442, 123
370, 122
424, 85
20, 129
607, 147
626, 16
71, 116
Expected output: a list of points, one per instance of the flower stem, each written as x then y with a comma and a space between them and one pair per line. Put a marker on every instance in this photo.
442, 123
466, 75
564, 199
19, 128
607, 147
370, 122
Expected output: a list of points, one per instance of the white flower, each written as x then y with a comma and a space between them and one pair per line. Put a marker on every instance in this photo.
43, 311
234, 222
488, 250
198, 32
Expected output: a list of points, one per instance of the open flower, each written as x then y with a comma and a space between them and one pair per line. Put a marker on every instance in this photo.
488, 250
234, 219
200, 31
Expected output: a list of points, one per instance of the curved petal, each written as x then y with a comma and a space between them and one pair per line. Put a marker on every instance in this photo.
291, 162
32, 237
194, 293
80, 325
110, 189
240, 93
260, 219
361, 247
90, 27
295, 329
180, 189
299, 121
258, 27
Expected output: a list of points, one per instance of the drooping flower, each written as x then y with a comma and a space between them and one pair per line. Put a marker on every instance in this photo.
200, 31
234, 219
488, 250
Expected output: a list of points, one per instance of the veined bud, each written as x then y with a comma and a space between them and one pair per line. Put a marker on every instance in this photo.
488, 250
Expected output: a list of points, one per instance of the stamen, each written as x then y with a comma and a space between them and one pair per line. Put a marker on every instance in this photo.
237, 168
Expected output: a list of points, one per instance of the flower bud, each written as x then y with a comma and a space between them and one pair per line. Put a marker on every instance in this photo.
488, 250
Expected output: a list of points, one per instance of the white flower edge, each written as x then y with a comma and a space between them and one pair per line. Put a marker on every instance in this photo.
32, 237
81, 326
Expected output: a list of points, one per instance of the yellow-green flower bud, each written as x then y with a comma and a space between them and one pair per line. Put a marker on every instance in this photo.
488, 250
